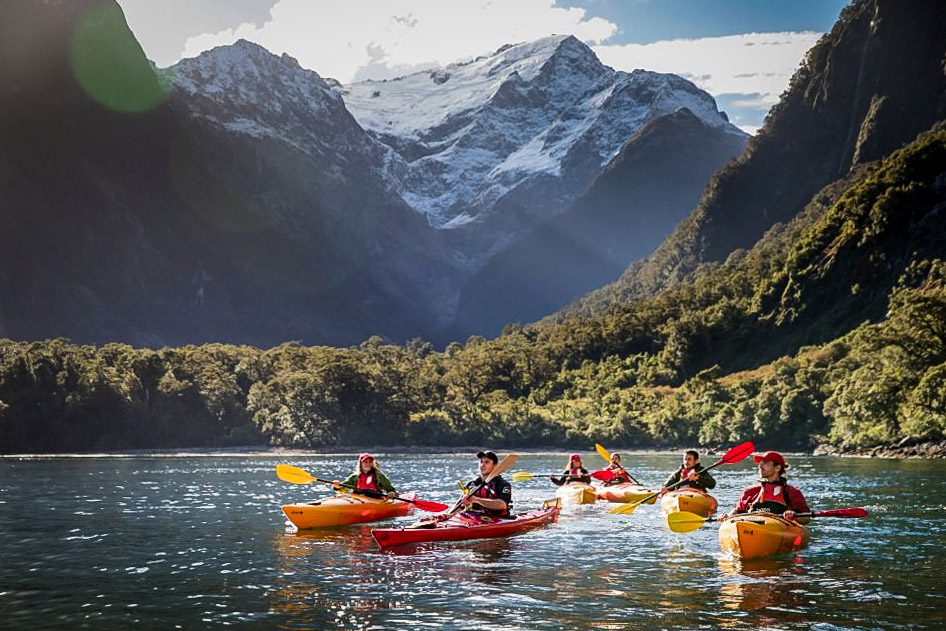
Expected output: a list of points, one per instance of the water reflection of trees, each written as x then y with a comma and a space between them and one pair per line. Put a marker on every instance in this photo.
338, 577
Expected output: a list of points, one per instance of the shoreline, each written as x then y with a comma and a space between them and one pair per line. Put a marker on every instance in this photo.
930, 450
904, 450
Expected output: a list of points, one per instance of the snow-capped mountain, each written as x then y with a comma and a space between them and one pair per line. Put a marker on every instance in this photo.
245, 89
523, 131
251, 206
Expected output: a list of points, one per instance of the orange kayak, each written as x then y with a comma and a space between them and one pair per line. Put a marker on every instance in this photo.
624, 493
689, 500
754, 535
344, 509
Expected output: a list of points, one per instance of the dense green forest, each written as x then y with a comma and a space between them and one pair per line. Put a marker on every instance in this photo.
830, 330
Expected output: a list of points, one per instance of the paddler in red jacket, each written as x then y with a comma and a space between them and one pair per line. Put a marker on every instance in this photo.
772, 493
493, 499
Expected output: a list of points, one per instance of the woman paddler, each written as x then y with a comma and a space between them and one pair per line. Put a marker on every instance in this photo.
574, 472
367, 479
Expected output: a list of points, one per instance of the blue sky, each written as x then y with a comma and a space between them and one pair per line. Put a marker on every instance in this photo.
646, 21
743, 52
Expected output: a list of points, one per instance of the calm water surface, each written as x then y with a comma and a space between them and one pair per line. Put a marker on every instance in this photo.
199, 541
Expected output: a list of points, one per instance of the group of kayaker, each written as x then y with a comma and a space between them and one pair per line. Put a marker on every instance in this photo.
493, 499
575, 471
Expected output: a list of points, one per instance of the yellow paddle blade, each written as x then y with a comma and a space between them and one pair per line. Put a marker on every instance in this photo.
625, 509
602, 452
684, 521
519, 476
288, 473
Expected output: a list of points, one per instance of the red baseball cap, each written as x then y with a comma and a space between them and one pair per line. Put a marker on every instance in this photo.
771, 456
575, 457
363, 457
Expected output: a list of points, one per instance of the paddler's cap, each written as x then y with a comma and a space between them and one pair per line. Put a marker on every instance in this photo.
575, 457
364, 457
771, 456
490, 455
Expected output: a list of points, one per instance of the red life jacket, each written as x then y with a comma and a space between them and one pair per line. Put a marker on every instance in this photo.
485, 491
576, 471
368, 481
774, 495
488, 492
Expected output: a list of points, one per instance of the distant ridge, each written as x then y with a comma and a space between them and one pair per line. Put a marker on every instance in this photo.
869, 86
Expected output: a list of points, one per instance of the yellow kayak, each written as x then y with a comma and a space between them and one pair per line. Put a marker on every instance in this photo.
576, 493
754, 535
689, 500
344, 509
625, 492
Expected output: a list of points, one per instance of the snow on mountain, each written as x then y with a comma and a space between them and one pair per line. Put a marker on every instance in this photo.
529, 126
246, 89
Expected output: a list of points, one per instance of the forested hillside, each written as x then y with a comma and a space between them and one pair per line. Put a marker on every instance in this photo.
831, 330
871, 84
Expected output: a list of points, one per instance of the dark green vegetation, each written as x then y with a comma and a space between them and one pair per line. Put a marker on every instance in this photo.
831, 329
827, 328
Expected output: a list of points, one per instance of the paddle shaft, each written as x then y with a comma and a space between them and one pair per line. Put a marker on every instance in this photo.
368, 492
843, 513
500, 467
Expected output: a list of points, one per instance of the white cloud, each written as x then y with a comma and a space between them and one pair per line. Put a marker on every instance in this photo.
370, 39
758, 65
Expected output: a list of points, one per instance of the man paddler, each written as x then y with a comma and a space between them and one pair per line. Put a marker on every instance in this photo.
692, 472
493, 499
772, 493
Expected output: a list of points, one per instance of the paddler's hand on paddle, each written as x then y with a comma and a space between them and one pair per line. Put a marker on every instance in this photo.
693, 477
392, 495
789, 515
336, 485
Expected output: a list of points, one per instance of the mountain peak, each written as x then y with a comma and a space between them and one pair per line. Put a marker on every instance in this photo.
245, 68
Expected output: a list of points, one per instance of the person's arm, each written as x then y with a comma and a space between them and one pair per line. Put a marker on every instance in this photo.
707, 481
500, 500
347, 485
796, 504
673, 479
584, 476
384, 483
745, 501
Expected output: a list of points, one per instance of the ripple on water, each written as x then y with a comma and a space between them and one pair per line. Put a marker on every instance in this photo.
181, 542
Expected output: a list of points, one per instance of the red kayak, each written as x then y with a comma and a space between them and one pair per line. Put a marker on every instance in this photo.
462, 527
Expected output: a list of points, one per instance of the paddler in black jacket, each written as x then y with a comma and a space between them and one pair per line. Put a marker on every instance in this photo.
692, 471
574, 472
493, 499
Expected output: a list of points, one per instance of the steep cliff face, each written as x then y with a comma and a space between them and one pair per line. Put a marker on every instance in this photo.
150, 220
653, 182
869, 86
